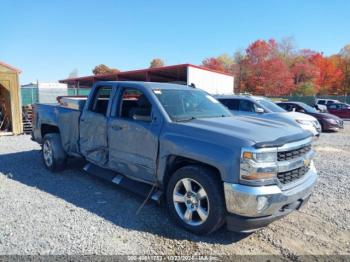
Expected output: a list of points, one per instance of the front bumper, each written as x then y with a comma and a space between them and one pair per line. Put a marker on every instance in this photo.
315, 130
258, 206
333, 126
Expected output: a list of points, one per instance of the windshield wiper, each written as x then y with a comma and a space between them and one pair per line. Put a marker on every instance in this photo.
185, 119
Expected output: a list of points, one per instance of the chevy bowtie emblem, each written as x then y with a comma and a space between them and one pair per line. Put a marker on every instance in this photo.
307, 162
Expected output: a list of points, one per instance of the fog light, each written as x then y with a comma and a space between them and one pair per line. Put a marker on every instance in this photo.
262, 203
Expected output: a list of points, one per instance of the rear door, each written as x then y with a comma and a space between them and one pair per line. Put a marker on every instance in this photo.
93, 125
133, 132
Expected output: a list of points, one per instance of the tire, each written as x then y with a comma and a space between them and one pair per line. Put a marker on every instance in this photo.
54, 156
207, 208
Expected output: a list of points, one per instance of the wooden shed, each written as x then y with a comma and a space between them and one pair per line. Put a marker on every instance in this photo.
10, 100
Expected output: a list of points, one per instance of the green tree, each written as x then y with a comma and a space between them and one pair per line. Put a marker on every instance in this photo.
305, 89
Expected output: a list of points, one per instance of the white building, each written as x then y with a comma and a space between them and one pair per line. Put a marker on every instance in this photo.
209, 80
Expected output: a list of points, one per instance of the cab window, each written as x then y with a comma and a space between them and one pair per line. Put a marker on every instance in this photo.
101, 99
247, 106
232, 104
284, 106
334, 106
135, 106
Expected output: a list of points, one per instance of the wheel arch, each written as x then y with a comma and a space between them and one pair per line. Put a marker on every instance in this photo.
47, 128
175, 162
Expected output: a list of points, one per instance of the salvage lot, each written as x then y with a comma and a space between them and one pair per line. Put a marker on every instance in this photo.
73, 213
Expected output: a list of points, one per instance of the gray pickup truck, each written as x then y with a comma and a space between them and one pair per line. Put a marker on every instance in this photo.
178, 143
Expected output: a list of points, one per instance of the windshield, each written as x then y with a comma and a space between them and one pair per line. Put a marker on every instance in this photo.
184, 105
308, 108
270, 106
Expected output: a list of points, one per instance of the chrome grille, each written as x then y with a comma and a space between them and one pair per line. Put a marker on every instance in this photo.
291, 154
290, 176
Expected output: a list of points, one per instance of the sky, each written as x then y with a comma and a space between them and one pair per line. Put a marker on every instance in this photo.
49, 39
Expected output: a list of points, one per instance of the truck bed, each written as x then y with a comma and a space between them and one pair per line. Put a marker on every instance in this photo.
72, 102
63, 119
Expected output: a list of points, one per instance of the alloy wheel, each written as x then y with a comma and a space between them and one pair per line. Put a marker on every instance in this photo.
191, 202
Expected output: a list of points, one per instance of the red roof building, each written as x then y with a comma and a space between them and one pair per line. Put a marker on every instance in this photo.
183, 74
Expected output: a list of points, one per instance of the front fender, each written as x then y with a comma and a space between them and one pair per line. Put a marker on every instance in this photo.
223, 158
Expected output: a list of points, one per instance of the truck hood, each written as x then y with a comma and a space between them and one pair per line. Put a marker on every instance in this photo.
261, 132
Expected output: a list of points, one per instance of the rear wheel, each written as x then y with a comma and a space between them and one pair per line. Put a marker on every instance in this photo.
195, 199
53, 154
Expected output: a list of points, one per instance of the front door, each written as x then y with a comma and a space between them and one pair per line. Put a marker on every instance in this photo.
93, 126
133, 136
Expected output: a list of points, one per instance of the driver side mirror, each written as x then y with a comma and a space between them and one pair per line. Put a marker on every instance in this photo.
259, 110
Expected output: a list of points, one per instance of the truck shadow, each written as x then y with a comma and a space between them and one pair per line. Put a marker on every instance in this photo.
101, 198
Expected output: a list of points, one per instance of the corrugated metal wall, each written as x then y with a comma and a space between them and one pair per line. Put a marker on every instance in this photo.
48, 95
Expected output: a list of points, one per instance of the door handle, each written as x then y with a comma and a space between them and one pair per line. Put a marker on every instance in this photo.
117, 128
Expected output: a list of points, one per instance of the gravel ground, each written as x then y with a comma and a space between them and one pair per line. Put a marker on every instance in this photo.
73, 213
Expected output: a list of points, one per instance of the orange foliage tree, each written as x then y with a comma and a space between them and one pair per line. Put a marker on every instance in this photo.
157, 62
103, 70
330, 76
266, 73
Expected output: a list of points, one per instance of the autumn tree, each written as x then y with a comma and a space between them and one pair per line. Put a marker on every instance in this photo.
330, 76
214, 63
103, 70
305, 73
345, 67
238, 70
156, 62
266, 72
286, 49
227, 62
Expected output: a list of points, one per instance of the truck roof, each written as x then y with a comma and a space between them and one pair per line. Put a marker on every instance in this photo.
150, 85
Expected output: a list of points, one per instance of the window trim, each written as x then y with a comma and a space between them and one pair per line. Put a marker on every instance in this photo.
249, 101
92, 101
116, 110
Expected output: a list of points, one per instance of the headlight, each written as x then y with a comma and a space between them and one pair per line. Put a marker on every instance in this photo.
331, 121
304, 122
258, 166
261, 156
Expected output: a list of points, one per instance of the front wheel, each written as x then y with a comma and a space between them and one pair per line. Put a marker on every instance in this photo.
53, 153
195, 199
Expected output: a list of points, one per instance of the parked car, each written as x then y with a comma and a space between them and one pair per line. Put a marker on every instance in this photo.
264, 108
328, 122
157, 138
341, 110
321, 104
